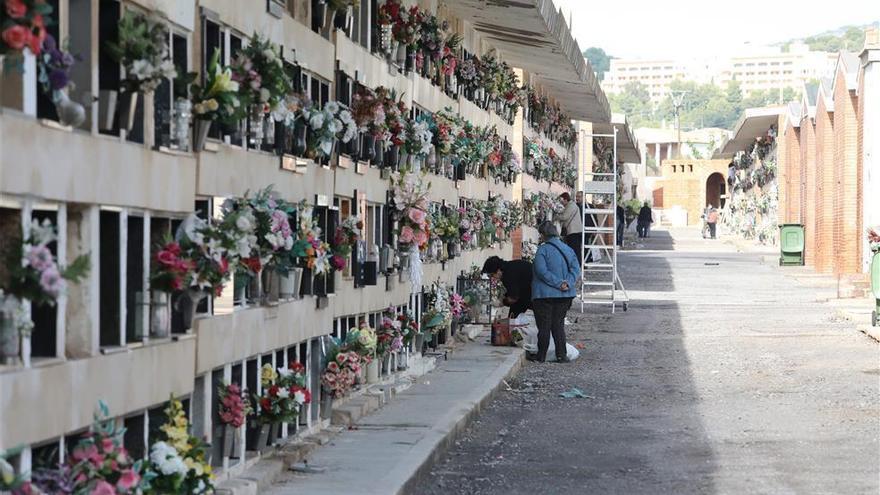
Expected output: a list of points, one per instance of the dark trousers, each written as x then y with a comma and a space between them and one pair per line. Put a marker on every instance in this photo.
712, 230
574, 242
620, 228
643, 229
550, 318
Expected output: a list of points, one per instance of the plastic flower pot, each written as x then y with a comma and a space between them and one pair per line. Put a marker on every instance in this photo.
373, 371
419, 342
127, 110
186, 304
255, 288
201, 128
10, 340
227, 435
368, 147
401, 54
289, 285
386, 364
160, 314
402, 360
270, 286
326, 404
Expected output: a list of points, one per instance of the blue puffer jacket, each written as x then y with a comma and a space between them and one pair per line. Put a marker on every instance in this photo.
552, 266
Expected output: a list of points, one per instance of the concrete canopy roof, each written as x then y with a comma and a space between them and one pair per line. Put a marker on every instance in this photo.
627, 146
533, 35
753, 123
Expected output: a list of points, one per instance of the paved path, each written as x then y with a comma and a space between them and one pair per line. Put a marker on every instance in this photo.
390, 446
723, 377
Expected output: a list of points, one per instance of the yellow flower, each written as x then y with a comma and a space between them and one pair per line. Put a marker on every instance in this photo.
192, 465
268, 375
223, 82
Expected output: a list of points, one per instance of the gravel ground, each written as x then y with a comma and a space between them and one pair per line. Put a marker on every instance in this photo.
723, 377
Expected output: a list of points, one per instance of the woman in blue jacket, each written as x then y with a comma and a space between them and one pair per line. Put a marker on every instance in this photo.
556, 272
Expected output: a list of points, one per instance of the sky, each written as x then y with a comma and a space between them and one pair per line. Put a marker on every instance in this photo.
684, 29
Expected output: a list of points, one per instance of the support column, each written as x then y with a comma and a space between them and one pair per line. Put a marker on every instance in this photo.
83, 320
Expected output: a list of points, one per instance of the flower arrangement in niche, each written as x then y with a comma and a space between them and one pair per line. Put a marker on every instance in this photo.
368, 112
217, 98
389, 337
235, 406
411, 203
261, 227
361, 340
409, 326
447, 127
439, 310
326, 125
10, 481
178, 463
210, 249
874, 240
259, 71
23, 25
142, 50
54, 64
341, 371
283, 393
171, 271
344, 240
312, 252
419, 139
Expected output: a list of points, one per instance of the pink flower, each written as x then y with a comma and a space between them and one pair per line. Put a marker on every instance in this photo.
417, 216
39, 257
103, 488
421, 237
128, 480
51, 282
406, 234
16, 9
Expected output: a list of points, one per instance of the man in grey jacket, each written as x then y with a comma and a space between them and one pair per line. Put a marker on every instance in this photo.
571, 221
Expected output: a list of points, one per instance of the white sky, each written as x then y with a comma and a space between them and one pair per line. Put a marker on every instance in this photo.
683, 29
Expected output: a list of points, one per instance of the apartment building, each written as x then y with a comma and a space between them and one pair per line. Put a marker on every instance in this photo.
655, 75
117, 182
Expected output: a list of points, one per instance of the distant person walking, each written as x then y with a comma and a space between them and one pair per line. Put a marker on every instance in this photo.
572, 224
553, 287
646, 218
705, 218
712, 221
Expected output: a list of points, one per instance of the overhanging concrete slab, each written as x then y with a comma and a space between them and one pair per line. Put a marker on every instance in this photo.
753, 123
533, 35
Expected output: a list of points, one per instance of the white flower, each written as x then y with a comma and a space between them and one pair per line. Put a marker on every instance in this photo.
288, 243
244, 223
269, 54
326, 146
42, 233
141, 69
264, 95
299, 397
316, 121
332, 107
335, 126
165, 457
284, 372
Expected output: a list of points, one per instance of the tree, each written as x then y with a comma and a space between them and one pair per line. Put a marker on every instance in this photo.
599, 60
760, 98
634, 102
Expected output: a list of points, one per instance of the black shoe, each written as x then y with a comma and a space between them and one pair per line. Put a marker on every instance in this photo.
533, 357
563, 360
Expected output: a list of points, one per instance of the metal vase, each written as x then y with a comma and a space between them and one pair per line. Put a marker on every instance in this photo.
160, 314
255, 288
385, 38
127, 110
228, 434
107, 101
386, 364
373, 371
201, 128
187, 304
10, 340
401, 54
300, 144
69, 112
368, 147
418, 342
255, 126
289, 285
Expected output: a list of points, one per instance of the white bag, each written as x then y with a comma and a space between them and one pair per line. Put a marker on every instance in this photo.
525, 325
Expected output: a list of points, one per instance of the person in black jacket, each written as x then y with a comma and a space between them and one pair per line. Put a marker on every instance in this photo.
516, 276
646, 218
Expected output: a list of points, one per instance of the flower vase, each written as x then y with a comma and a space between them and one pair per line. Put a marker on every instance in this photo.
392, 54
69, 112
379, 155
402, 360
386, 364
201, 128
392, 156
373, 371
326, 404
127, 110
265, 435
187, 304
228, 434
10, 340
288, 285
160, 314
401, 54
255, 126
410, 59
368, 147
431, 160
255, 288
270, 286
299, 140
418, 342
385, 38
320, 12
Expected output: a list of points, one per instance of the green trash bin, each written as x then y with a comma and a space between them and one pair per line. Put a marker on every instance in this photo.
791, 244
875, 286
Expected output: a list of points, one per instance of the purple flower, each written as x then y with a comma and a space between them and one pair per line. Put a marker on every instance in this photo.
51, 281
39, 257
58, 79
49, 43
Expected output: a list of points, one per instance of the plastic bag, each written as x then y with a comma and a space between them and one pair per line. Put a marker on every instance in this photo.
525, 333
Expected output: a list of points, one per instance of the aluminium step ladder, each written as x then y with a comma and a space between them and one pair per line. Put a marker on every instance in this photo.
600, 280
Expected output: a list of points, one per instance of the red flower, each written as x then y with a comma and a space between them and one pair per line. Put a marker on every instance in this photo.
36, 41
166, 258
266, 404
16, 37
224, 266
297, 367
252, 264
273, 391
173, 248
16, 9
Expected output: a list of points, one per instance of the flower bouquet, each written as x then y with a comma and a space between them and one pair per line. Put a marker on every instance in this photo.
340, 374
389, 16
343, 12
178, 463
142, 50
10, 481
33, 275
368, 113
411, 203
283, 394
263, 83
389, 337
874, 240
22, 27
344, 241
419, 139
326, 125
234, 409
395, 126
215, 100
54, 64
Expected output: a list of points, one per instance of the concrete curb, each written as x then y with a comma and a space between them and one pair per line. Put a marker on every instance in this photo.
452, 426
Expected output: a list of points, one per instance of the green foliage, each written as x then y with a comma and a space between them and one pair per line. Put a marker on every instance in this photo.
635, 103
599, 60
851, 39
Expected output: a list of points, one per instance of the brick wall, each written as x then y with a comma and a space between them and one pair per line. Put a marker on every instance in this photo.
684, 184
782, 172
792, 182
808, 188
824, 239
863, 249
847, 206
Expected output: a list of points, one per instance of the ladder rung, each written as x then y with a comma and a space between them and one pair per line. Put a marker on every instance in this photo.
606, 246
599, 284
598, 265
599, 230
599, 211
603, 174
